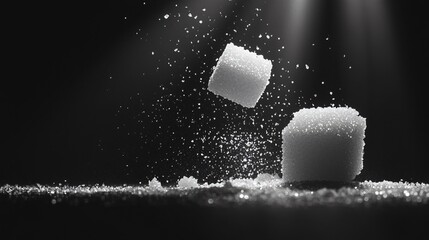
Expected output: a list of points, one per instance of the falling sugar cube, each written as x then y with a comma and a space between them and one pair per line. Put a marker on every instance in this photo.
323, 144
240, 76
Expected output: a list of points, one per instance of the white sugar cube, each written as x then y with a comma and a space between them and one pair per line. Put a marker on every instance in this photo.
240, 76
323, 144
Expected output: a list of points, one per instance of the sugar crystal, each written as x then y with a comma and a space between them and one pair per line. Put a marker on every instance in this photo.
188, 182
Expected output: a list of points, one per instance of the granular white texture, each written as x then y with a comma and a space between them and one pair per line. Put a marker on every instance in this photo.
188, 182
363, 195
323, 144
240, 76
154, 184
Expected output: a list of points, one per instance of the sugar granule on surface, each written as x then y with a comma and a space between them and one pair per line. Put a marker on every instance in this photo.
154, 184
323, 144
365, 194
188, 182
240, 76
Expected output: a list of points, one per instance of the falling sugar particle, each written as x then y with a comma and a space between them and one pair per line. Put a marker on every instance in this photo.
307, 67
166, 16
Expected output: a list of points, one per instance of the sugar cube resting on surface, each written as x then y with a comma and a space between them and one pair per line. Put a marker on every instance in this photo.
240, 76
323, 144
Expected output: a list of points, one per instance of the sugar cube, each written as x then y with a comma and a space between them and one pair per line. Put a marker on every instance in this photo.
240, 76
323, 144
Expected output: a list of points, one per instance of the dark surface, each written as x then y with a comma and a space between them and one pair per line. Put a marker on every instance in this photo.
37, 218
63, 212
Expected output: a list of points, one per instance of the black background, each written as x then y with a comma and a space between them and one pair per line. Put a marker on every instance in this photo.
57, 99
